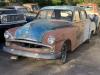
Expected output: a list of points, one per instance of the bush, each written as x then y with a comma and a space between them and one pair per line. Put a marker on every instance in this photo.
3, 4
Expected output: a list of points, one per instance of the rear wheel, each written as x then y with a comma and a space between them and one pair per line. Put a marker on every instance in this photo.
97, 29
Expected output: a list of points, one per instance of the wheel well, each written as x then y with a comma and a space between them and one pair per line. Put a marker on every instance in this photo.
68, 42
92, 31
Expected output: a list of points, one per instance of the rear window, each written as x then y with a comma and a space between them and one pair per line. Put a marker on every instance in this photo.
22, 10
35, 7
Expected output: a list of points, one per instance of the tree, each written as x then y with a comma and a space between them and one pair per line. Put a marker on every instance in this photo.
56, 2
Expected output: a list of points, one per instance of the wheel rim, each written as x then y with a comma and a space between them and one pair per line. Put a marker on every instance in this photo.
64, 53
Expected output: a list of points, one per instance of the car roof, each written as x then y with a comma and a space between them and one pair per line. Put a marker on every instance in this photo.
87, 4
72, 8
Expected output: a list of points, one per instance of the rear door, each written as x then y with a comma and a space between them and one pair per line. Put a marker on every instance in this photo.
80, 27
86, 22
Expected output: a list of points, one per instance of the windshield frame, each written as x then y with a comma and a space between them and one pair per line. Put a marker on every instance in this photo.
20, 10
37, 16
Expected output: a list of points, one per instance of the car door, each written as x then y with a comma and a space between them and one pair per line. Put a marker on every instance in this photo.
86, 22
79, 25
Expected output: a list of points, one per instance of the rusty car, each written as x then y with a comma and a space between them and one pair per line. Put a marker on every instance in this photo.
56, 31
92, 10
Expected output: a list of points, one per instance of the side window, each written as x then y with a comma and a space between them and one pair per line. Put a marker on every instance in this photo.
76, 16
62, 14
67, 15
83, 15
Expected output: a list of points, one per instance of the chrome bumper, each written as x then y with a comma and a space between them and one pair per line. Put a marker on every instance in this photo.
15, 22
30, 54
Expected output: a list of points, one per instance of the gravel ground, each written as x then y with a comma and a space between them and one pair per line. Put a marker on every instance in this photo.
84, 61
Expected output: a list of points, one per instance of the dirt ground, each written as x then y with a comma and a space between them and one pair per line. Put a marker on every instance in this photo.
84, 61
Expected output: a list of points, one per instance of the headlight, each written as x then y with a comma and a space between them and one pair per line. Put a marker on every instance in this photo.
51, 39
8, 35
4, 19
24, 17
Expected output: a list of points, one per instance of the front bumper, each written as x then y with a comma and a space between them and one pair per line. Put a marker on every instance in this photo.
31, 54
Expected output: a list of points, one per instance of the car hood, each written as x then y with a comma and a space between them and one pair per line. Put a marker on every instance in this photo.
35, 30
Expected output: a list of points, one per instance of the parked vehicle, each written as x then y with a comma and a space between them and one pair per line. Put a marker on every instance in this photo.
93, 11
57, 30
32, 7
20, 9
10, 18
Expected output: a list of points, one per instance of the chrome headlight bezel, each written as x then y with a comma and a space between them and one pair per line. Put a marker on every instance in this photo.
4, 18
51, 40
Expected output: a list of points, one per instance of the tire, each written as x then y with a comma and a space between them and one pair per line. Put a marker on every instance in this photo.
87, 41
64, 53
97, 31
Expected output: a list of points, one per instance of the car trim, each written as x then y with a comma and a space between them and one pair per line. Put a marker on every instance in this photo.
30, 54
14, 22
28, 41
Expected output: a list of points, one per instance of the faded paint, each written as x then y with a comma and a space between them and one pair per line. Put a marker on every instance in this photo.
39, 30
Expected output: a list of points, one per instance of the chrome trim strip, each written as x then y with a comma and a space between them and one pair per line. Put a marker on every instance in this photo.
11, 14
16, 22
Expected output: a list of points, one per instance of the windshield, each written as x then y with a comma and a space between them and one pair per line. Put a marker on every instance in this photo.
55, 14
22, 10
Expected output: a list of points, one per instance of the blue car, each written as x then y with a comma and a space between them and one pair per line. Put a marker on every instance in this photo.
55, 31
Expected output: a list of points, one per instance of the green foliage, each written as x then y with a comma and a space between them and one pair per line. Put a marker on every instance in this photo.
56, 2
3, 4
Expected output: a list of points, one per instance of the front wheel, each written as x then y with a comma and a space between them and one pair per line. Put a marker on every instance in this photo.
64, 53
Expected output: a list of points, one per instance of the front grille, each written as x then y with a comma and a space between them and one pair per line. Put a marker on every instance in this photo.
11, 18
25, 45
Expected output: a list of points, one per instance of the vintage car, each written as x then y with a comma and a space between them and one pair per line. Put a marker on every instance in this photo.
32, 7
20, 9
10, 18
93, 11
56, 31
